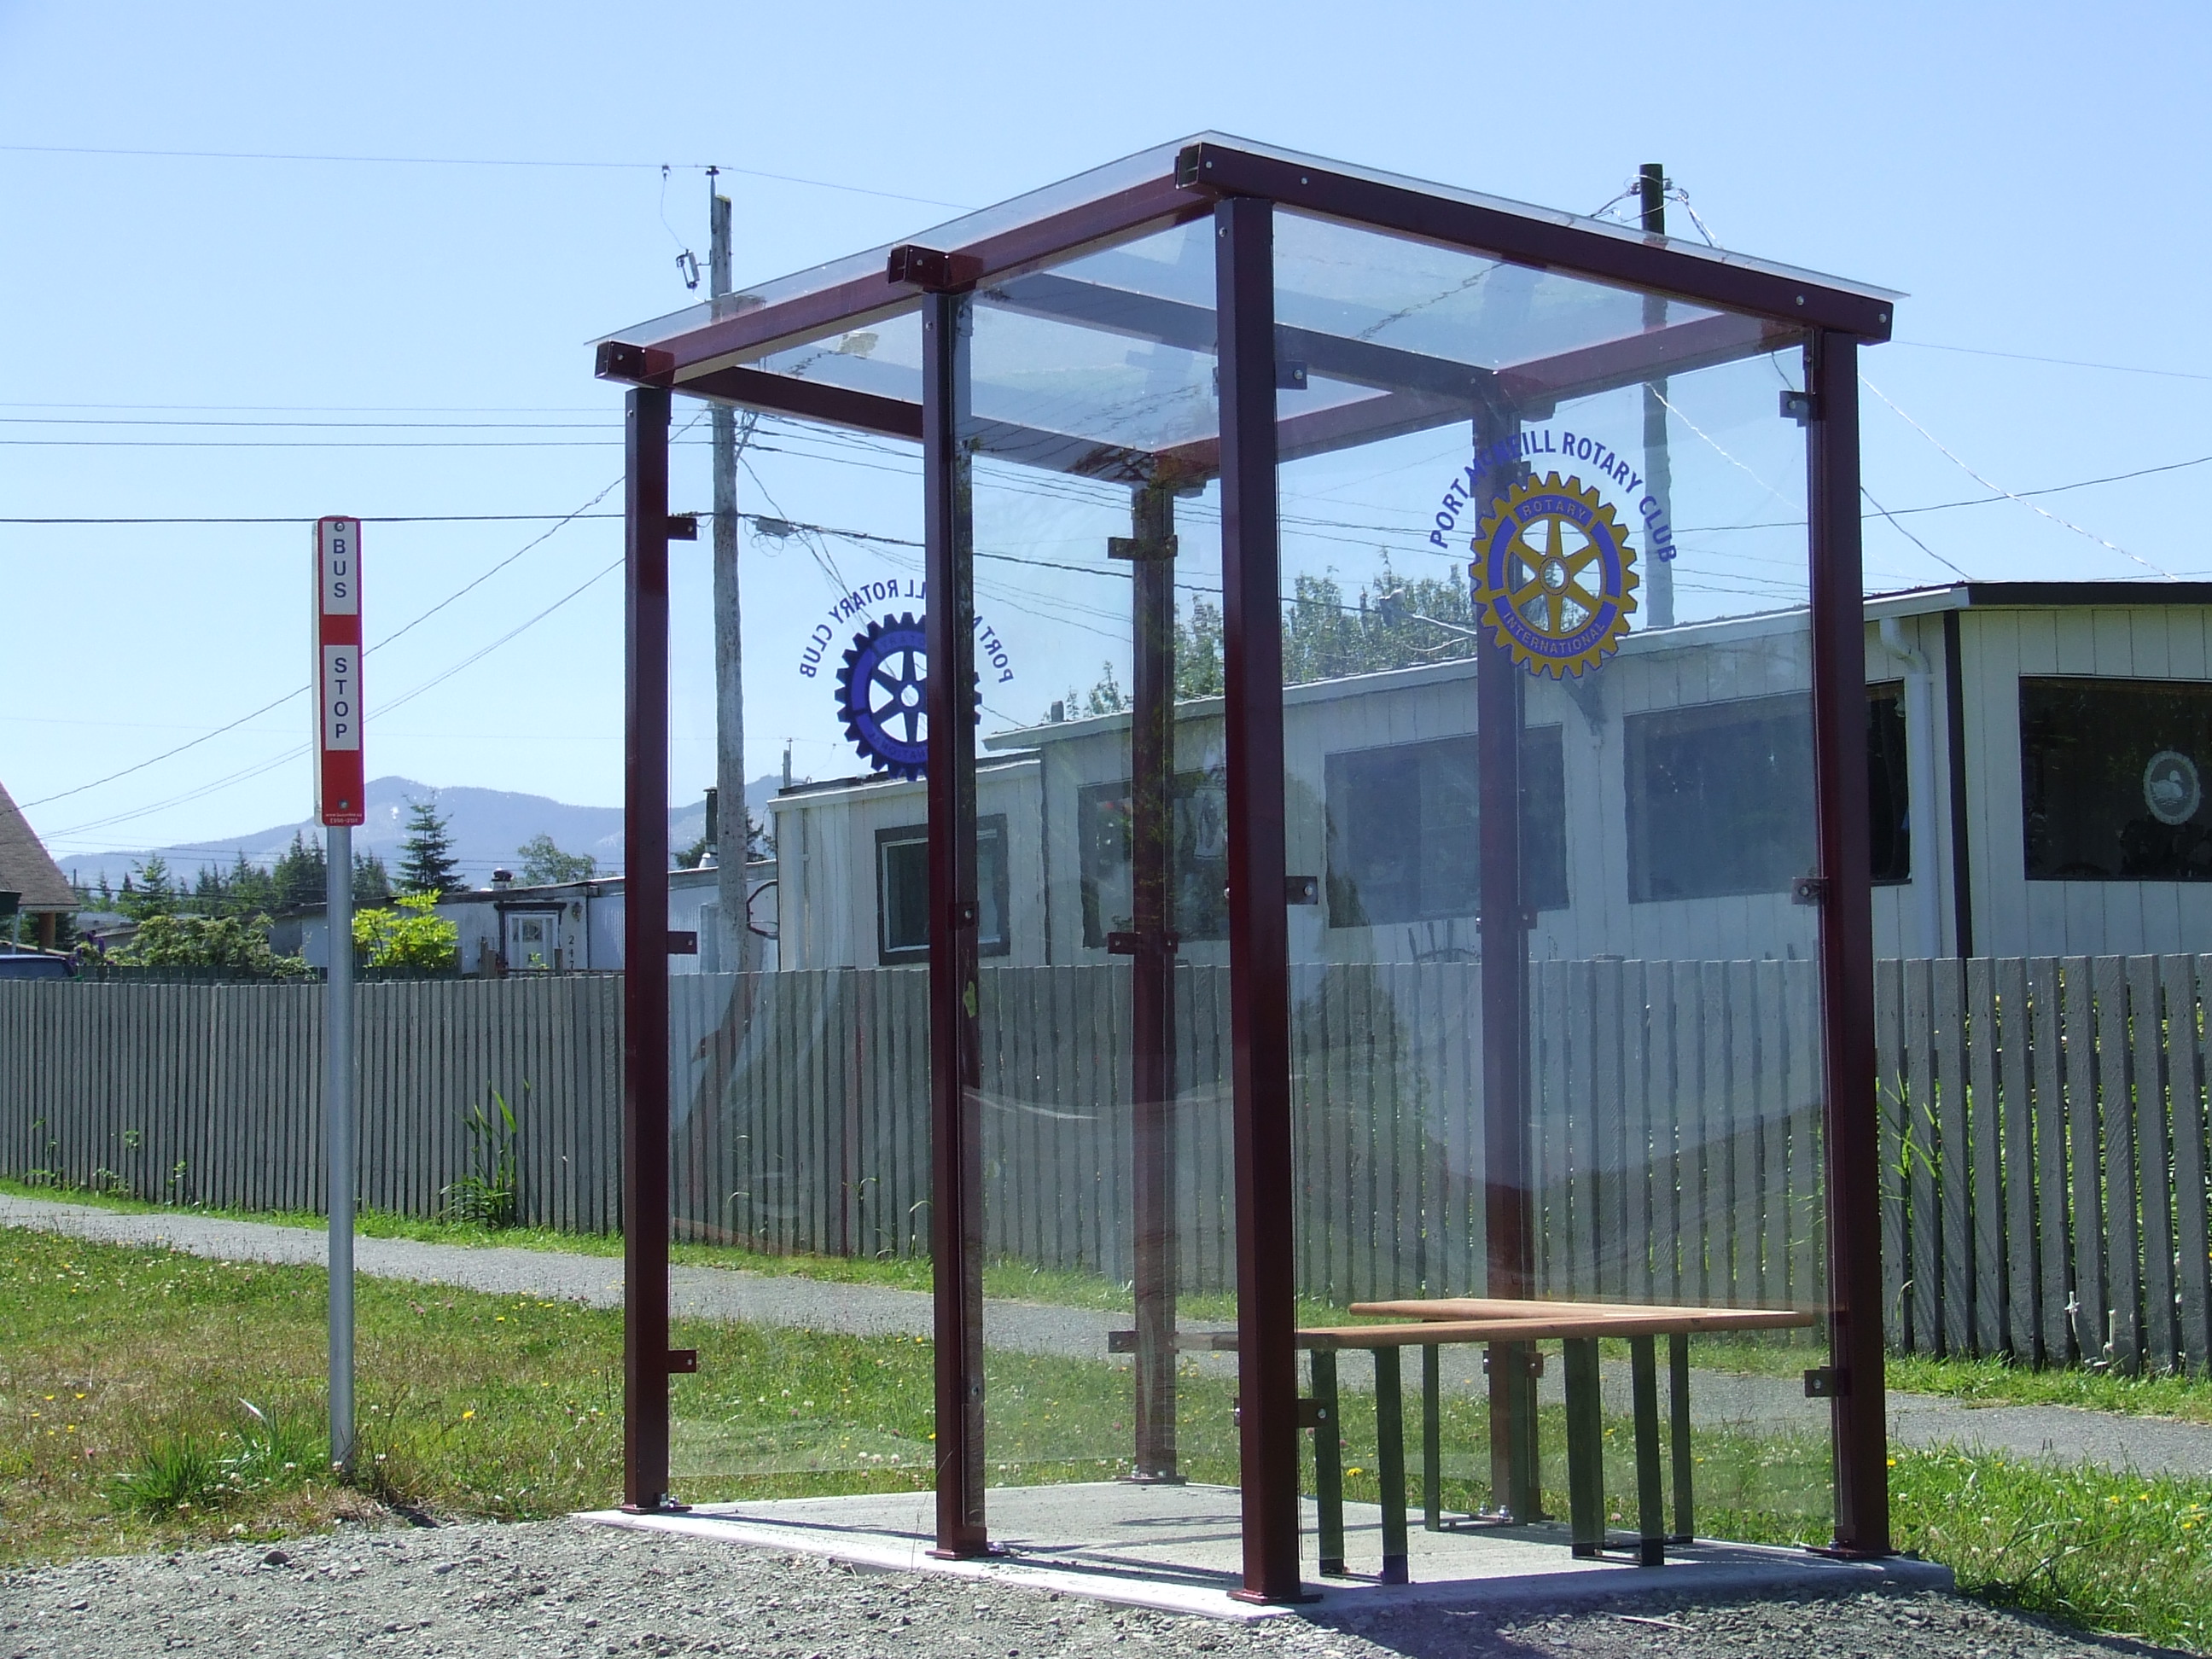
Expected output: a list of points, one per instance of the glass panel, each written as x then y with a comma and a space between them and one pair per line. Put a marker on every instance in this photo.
1108, 1207
1627, 558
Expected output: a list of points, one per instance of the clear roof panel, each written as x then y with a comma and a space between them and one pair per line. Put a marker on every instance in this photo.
1103, 182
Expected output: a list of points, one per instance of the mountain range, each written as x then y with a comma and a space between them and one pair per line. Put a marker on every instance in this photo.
486, 826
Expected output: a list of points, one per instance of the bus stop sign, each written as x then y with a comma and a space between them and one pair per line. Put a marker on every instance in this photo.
340, 795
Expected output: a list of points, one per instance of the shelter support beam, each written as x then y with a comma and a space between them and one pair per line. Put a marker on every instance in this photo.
1152, 550
1508, 1225
645, 953
1839, 759
1259, 929
955, 1213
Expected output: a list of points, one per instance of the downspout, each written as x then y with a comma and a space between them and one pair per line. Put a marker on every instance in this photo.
1920, 784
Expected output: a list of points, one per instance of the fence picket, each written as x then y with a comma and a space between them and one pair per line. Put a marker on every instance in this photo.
2123, 1234
2154, 1178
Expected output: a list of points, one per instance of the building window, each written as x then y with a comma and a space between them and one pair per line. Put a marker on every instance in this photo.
903, 891
2110, 784
1198, 863
1719, 798
1889, 785
1404, 822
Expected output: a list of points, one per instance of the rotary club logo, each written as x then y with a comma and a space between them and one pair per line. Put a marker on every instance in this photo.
1554, 575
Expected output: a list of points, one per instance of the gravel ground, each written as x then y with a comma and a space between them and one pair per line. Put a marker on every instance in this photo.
2062, 1434
561, 1588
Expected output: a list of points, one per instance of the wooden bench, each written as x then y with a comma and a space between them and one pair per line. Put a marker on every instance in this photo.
1432, 1323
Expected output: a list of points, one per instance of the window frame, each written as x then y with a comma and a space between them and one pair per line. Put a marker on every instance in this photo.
990, 827
1346, 909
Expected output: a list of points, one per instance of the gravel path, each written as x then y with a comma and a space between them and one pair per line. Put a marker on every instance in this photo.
2153, 1445
561, 1588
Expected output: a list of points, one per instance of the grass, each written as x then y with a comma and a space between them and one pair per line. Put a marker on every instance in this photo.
150, 1399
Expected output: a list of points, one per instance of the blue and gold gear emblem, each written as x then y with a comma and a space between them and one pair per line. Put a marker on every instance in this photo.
1554, 576
882, 695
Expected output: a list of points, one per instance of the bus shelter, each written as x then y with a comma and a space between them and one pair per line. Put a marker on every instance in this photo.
1359, 816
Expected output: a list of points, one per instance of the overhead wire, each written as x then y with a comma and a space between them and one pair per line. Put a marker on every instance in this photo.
548, 162
1955, 461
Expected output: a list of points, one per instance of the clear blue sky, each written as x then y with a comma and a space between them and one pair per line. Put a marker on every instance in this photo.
2030, 174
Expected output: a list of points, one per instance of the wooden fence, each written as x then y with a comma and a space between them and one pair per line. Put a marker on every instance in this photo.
213, 1093
2043, 1124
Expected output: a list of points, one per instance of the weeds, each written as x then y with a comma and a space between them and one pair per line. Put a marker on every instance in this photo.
489, 1194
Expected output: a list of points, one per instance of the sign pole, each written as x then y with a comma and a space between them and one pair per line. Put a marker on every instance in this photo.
338, 1043
339, 790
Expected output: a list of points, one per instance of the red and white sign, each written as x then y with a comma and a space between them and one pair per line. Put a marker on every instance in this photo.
339, 790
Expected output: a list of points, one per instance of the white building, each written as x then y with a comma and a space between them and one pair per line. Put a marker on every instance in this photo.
577, 926
2035, 790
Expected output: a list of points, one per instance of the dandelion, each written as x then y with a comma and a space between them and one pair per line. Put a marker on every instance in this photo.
468, 1414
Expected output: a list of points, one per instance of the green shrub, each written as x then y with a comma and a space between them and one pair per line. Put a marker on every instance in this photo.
409, 934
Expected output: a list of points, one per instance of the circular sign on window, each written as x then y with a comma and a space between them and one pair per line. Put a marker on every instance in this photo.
2172, 788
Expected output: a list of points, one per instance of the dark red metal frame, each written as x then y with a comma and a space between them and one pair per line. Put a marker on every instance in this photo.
1240, 190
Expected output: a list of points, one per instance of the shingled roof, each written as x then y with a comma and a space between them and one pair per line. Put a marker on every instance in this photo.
26, 867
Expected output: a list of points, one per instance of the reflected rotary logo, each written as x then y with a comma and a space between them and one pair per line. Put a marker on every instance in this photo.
1554, 575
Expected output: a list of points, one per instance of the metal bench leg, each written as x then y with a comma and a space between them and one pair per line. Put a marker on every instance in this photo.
1650, 1495
1585, 1447
1432, 1452
1390, 1462
1329, 1464
1678, 1409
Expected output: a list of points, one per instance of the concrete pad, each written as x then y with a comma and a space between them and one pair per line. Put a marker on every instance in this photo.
1178, 1549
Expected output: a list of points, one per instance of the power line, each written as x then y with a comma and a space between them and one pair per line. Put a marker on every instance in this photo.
468, 161
302, 690
2009, 494
2063, 362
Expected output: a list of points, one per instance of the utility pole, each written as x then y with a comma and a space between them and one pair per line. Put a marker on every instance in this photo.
738, 952
1658, 471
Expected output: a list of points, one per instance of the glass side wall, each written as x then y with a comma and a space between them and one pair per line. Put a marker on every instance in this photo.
1108, 1188
799, 1035
1651, 1136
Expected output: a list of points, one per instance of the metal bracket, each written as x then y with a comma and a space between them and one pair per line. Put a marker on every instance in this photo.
1139, 550
963, 915
1535, 1362
1132, 944
616, 360
1803, 407
1302, 890
1313, 1414
1809, 890
683, 1362
930, 269
1827, 1382
684, 526
1290, 377
682, 945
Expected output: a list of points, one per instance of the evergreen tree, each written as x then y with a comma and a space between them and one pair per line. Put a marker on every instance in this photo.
298, 881
153, 894
429, 865
372, 882
251, 889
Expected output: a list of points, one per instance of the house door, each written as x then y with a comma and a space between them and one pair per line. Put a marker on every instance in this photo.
533, 941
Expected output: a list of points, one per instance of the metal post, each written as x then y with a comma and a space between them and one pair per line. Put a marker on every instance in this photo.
1151, 549
1840, 757
339, 1118
1258, 931
645, 955
1658, 466
956, 1216
1503, 925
